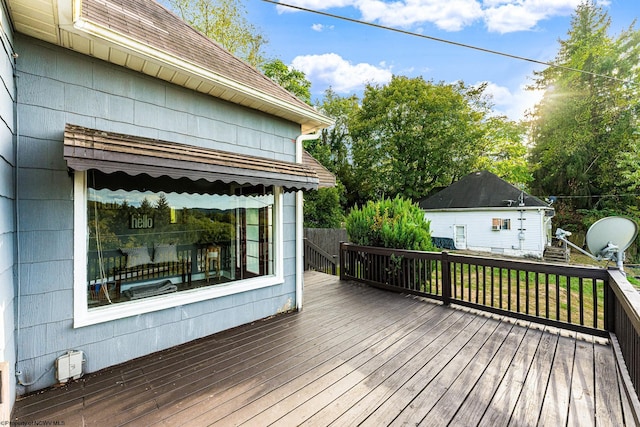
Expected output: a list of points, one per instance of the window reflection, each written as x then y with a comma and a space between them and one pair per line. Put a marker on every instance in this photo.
155, 236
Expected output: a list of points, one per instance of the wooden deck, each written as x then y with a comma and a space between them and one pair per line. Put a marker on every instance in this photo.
355, 356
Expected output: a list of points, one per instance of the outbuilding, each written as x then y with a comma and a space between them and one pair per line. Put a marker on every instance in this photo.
482, 212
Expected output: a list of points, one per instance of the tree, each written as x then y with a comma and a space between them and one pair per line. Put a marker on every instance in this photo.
389, 223
225, 22
291, 79
162, 215
322, 208
584, 130
505, 152
411, 135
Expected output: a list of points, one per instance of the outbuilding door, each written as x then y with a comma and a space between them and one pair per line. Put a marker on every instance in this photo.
460, 236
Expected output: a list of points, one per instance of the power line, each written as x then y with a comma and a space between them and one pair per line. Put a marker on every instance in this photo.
601, 196
437, 39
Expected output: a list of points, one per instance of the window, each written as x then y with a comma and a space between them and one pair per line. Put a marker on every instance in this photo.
152, 240
500, 224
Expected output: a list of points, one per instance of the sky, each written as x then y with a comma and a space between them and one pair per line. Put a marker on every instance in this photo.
346, 56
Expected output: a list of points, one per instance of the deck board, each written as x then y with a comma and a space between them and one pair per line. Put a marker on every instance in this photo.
355, 356
477, 352
608, 405
582, 407
527, 409
476, 402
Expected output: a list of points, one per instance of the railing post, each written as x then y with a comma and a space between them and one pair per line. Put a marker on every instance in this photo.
342, 257
305, 255
609, 307
446, 279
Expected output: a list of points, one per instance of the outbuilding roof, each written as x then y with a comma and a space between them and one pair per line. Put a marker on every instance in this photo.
481, 190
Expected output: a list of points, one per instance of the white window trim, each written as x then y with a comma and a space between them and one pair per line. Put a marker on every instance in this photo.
83, 316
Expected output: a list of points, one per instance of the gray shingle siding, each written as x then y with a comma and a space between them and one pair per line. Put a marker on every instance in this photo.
57, 86
8, 249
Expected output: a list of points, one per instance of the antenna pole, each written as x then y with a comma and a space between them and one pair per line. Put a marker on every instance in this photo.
619, 261
561, 235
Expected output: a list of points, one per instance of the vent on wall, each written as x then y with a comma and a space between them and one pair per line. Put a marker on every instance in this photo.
69, 366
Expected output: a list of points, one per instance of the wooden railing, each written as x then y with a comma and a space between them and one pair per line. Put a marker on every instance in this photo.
625, 314
315, 258
585, 299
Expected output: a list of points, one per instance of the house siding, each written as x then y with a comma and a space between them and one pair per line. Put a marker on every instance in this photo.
481, 237
57, 86
8, 249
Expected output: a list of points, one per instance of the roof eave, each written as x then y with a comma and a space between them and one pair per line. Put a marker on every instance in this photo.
309, 120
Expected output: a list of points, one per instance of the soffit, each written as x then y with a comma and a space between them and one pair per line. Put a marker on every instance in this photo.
129, 33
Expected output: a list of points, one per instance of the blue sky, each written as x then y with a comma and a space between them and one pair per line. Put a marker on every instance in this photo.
345, 56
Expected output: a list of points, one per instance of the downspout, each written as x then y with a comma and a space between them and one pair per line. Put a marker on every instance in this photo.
300, 223
18, 251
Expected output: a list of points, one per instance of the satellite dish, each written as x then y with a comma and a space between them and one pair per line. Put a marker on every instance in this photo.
609, 237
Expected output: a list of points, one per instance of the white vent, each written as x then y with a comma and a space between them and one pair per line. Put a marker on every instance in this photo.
69, 366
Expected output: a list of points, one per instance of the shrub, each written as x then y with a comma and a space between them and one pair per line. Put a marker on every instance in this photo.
389, 223
322, 208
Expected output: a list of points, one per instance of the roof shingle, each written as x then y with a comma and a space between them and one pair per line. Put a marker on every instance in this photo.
480, 190
150, 23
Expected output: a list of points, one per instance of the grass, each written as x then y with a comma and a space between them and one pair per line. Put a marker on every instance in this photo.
544, 295
555, 297
633, 273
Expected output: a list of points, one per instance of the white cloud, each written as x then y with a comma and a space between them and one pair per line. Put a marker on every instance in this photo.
513, 104
522, 15
449, 15
502, 16
331, 69
320, 27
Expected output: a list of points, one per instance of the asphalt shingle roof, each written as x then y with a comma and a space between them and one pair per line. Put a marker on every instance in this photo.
148, 22
480, 190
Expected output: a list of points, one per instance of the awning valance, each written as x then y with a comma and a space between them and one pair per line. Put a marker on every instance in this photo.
110, 152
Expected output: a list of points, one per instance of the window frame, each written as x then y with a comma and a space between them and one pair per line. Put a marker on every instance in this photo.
83, 316
498, 224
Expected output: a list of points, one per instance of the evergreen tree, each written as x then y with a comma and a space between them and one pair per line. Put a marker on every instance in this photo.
585, 127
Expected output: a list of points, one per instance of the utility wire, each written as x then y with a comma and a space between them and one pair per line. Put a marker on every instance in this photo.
464, 45
601, 196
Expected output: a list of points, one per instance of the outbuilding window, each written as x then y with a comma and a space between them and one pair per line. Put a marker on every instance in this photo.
500, 224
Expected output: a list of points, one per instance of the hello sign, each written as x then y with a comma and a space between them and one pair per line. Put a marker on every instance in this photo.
141, 222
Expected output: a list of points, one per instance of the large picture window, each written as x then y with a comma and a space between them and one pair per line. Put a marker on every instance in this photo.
155, 236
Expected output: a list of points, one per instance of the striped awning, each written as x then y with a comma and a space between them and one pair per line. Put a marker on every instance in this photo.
110, 152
